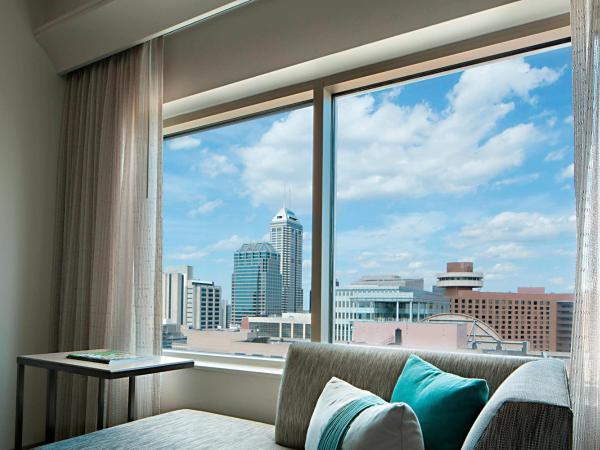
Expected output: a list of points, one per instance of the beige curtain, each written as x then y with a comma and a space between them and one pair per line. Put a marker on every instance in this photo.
585, 368
107, 258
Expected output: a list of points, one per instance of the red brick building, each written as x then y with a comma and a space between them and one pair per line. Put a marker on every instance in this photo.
544, 320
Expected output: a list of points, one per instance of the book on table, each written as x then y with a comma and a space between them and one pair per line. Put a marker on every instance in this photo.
105, 356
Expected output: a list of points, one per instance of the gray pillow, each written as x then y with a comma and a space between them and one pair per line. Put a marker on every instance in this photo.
361, 420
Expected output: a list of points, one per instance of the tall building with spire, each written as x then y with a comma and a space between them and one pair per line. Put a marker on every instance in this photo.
286, 238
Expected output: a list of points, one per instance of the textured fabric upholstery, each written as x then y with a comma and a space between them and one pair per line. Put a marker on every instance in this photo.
310, 366
530, 410
181, 429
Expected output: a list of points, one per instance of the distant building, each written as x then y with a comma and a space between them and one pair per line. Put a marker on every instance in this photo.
225, 315
544, 320
356, 303
204, 303
174, 284
441, 332
459, 276
286, 238
390, 280
171, 334
288, 326
255, 282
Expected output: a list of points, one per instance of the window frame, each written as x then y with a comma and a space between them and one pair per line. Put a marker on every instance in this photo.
322, 93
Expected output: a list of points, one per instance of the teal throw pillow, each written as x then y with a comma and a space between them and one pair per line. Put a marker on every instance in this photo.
445, 404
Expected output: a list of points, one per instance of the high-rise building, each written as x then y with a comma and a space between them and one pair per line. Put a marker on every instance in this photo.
255, 282
175, 307
530, 314
286, 238
204, 299
225, 314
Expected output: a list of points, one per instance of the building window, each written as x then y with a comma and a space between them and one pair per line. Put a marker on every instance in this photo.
458, 186
237, 225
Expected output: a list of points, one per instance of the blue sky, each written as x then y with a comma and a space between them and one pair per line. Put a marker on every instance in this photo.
474, 165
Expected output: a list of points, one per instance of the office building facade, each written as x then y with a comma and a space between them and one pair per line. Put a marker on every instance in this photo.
391, 280
286, 237
255, 282
288, 326
382, 304
204, 301
542, 319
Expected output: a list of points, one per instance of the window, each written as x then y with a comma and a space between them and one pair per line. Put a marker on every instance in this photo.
458, 186
237, 236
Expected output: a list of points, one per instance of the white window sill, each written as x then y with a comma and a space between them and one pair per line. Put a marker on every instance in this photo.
215, 362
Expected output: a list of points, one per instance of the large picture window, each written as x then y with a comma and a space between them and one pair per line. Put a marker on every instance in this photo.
455, 211
237, 236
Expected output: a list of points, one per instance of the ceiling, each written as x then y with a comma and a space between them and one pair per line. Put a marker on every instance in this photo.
211, 45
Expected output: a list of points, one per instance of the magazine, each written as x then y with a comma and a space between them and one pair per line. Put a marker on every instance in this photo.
104, 356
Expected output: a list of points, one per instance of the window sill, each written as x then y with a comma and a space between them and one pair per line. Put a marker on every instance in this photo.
232, 363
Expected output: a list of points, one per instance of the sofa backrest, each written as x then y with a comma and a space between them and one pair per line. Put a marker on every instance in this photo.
310, 366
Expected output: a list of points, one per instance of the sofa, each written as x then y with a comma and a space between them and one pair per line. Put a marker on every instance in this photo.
529, 406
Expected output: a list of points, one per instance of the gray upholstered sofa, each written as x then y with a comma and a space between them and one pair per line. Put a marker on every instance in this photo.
529, 406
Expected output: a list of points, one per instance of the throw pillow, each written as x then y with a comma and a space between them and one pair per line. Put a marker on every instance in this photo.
445, 404
349, 418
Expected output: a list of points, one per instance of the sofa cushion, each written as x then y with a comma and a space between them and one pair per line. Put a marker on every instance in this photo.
446, 404
309, 367
178, 430
531, 409
354, 419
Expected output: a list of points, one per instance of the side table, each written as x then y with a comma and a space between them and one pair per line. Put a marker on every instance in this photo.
55, 362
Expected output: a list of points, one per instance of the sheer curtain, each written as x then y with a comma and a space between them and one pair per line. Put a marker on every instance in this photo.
107, 256
585, 369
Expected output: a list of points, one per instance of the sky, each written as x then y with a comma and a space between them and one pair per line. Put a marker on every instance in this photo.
475, 165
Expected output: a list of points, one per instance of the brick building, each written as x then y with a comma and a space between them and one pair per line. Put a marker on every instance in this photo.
531, 314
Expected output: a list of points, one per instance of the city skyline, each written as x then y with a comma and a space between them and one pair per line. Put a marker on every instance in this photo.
511, 211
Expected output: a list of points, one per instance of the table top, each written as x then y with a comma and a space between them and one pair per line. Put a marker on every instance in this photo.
118, 369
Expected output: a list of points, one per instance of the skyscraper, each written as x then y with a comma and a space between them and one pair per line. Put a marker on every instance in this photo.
175, 306
286, 238
255, 282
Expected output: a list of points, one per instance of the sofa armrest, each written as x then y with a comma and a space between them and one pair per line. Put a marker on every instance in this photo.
531, 409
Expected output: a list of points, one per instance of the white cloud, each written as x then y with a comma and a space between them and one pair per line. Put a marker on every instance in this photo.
517, 226
393, 236
520, 179
231, 243
414, 265
566, 173
500, 271
184, 143
556, 155
189, 253
386, 149
281, 160
565, 252
569, 120
205, 208
510, 250
213, 165
395, 244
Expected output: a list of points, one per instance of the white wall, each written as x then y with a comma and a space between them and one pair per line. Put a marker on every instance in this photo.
239, 394
30, 108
